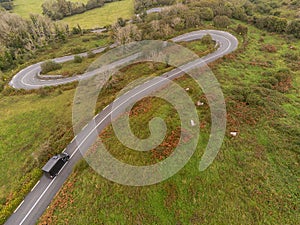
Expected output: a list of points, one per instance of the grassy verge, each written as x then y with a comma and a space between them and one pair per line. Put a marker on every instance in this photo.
72, 68
201, 49
254, 179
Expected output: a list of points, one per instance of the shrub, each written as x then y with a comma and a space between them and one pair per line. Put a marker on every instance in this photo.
294, 28
205, 13
268, 48
254, 100
78, 59
77, 50
207, 39
85, 40
91, 54
242, 30
1, 81
273, 81
49, 66
7, 5
291, 56
221, 21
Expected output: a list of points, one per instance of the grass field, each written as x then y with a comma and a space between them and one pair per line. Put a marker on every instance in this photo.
38, 125
254, 179
106, 15
26, 7
34, 126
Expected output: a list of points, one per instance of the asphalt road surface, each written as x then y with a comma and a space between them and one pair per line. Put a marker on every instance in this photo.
36, 202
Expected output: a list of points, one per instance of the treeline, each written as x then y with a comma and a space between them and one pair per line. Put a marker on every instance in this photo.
142, 5
278, 25
6, 4
192, 14
20, 38
58, 9
250, 11
220, 12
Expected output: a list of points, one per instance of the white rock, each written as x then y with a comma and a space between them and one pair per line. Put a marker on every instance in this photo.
233, 133
200, 103
193, 123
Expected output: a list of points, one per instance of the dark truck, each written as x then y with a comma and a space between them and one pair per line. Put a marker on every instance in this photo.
55, 164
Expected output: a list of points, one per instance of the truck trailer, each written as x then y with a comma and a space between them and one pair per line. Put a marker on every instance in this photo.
55, 164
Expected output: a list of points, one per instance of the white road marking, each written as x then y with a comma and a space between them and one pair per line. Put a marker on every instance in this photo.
74, 138
25, 217
85, 126
35, 185
19, 206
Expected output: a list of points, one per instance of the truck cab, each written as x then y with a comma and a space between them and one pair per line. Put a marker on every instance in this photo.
55, 164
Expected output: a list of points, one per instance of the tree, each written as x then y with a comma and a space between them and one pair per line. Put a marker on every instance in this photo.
221, 21
191, 19
127, 34
294, 28
7, 5
205, 13
239, 14
271, 23
49, 66
121, 22
19, 37
242, 30
91, 4
207, 39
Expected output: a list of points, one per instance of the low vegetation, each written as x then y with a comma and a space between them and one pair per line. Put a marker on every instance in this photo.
76, 67
246, 184
43, 114
49, 66
255, 177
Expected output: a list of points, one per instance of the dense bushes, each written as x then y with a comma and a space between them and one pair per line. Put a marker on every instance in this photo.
24, 37
205, 13
269, 48
207, 39
221, 21
1, 82
280, 80
242, 30
271, 23
6, 4
143, 5
49, 66
78, 59
58, 9
294, 28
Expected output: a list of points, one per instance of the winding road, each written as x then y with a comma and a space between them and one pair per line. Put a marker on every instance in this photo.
36, 202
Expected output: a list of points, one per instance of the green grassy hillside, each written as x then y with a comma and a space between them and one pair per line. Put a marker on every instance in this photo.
35, 125
254, 179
